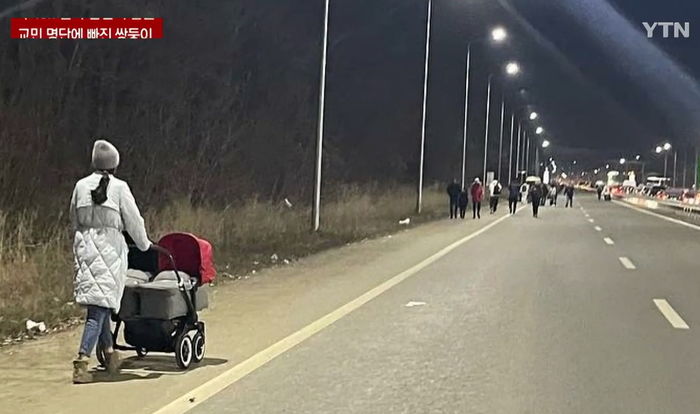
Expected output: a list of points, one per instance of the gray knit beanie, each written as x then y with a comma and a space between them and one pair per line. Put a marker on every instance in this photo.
104, 155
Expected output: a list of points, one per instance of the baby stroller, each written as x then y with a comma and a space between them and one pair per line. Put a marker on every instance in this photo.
165, 288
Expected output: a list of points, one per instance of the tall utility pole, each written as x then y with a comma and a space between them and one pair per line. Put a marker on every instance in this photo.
675, 162
510, 156
466, 114
500, 142
486, 134
526, 163
419, 198
517, 158
316, 206
685, 166
695, 179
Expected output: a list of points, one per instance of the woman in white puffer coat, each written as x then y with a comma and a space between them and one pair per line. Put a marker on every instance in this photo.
101, 208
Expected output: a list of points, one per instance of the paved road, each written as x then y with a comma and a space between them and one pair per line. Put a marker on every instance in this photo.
531, 316
510, 315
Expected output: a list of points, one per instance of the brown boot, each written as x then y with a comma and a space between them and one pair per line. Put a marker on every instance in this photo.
113, 362
80, 372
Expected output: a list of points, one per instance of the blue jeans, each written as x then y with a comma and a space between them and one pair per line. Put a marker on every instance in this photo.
97, 327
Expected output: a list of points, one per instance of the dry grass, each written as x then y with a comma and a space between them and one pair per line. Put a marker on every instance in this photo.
36, 263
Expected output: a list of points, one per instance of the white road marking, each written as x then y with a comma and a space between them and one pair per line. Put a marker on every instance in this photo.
591, 221
210, 388
413, 303
608, 240
671, 315
587, 215
661, 216
627, 263
598, 228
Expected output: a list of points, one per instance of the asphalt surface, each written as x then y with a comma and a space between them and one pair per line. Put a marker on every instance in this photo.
531, 316
510, 315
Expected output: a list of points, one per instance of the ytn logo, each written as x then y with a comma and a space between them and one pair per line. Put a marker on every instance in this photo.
679, 30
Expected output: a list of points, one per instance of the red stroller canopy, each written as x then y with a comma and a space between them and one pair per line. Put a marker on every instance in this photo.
192, 255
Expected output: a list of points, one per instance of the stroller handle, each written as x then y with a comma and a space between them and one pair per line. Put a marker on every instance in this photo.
162, 250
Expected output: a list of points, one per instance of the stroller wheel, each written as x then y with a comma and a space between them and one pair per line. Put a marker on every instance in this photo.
183, 351
100, 355
198, 344
141, 352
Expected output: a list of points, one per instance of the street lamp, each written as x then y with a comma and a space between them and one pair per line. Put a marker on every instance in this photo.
637, 157
533, 116
510, 147
512, 69
622, 161
665, 149
498, 35
419, 198
539, 130
316, 206
545, 144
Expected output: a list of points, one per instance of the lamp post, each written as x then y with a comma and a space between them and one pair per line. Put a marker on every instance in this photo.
664, 148
510, 155
695, 176
526, 163
511, 69
675, 162
419, 198
498, 35
517, 157
685, 166
545, 144
500, 141
316, 206
486, 133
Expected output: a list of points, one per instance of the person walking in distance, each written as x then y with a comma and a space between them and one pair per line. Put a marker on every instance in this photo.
569, 192
599, 190
553, 192
535, 196
463, 203
477, 193
495, 189
513, 196
453, 191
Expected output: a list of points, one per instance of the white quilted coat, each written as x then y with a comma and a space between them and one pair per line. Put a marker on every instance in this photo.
98, 246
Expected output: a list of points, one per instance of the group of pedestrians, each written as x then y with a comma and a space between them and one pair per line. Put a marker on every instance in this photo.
459, 198
536, 193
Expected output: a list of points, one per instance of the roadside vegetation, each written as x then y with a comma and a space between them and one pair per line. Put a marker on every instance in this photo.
36, 262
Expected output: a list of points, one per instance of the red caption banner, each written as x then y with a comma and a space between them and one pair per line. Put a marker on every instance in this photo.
86, 28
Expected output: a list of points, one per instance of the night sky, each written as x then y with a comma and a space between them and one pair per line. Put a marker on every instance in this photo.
602, 88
